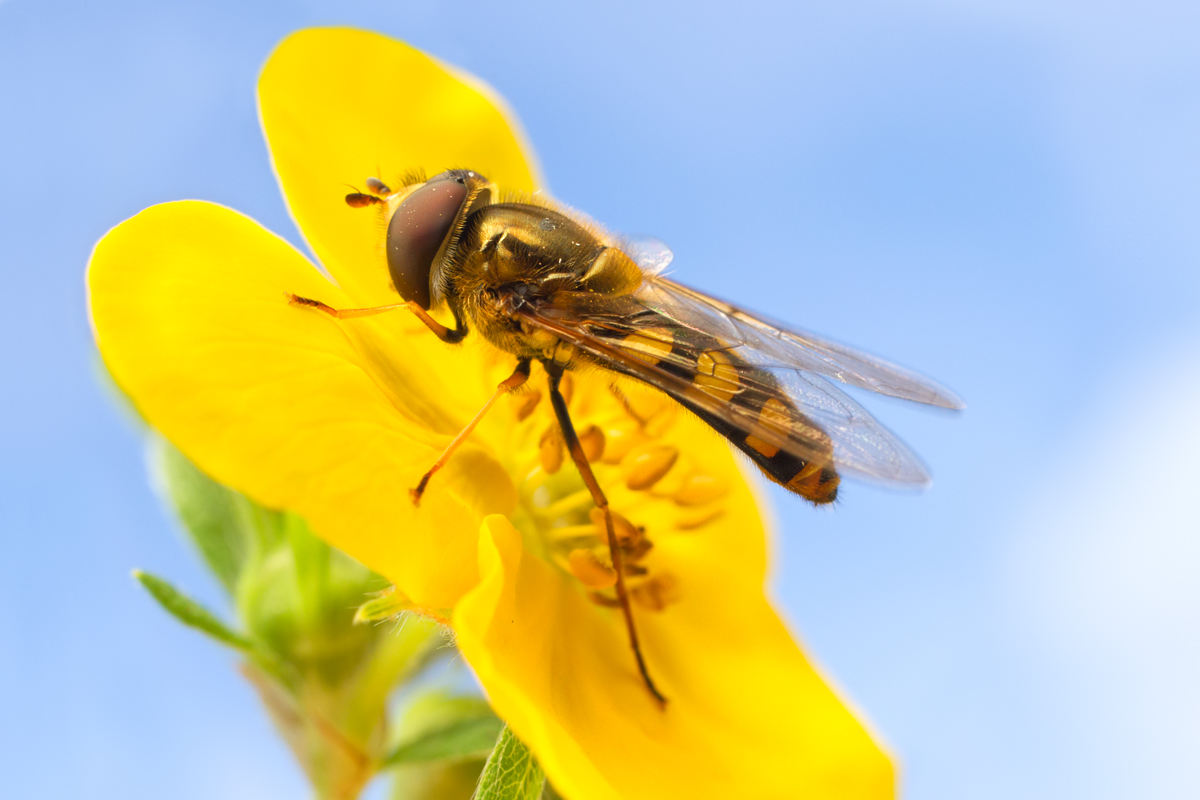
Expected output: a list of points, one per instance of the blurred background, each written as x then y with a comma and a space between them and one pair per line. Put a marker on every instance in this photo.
1003, 194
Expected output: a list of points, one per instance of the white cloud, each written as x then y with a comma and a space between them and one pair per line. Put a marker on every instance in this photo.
1106, 580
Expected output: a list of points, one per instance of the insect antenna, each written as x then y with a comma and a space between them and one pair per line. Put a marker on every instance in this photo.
360, 199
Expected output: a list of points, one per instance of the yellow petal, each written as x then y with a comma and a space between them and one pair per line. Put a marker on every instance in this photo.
341, 105
748, 715
281, 402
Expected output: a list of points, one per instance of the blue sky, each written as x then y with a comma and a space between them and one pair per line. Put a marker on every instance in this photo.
1003, 195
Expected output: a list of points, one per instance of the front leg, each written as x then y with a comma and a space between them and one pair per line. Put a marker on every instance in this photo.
447, 335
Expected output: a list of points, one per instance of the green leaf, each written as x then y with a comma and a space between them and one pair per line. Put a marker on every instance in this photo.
440, 725
191, 613
511, 772
214, 517
463, 738
436, 780
194, 615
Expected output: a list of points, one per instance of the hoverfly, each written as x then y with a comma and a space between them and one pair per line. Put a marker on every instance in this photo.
545, 285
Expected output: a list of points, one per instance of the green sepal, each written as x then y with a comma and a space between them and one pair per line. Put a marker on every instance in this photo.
470, 737
195, 616
191, 613
297, 597
216, 519
511, 772
383, 606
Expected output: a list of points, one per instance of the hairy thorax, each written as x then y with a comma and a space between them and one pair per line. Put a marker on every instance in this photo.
512, 254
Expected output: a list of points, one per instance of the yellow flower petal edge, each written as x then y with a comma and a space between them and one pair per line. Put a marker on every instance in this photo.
340, 105
748, 714
188, 309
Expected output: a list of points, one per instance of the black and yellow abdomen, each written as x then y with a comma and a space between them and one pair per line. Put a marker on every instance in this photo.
742, 402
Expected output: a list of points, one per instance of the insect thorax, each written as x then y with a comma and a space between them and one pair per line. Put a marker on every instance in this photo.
510, 254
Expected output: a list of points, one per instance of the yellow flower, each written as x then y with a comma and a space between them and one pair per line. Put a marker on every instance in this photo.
337, 420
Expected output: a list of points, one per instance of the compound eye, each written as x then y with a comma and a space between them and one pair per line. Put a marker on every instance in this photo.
417, 231
458, 176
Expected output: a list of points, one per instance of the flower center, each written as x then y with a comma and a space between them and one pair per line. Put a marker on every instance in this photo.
655, 490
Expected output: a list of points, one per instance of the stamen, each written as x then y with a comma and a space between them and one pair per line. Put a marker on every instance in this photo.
568, 532
551, 451
620, 438
590, 570
672, 483
656, 593
661, 479
697, 519
527, 404
661, 422
566, 505
647, 466
627, 534
699, 489
637, 551
604, 600
592, 441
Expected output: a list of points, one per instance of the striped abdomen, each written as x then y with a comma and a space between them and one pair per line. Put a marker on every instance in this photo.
749, 400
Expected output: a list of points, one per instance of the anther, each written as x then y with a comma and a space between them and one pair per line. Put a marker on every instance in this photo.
628, 535
699, 489
604, 600
673, 481
527, 404
698, 518
636, 551
590, 570
550, 450
619, 439
656, 593
592, 441
642, 405
646, 467
661, 422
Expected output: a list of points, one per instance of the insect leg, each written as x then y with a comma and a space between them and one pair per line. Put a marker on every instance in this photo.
345, 313
519, 376
585, 470
448, 335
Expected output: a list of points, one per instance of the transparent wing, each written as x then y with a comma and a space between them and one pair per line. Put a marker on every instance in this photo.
651, 254
861, 444
772, 345
662, 336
